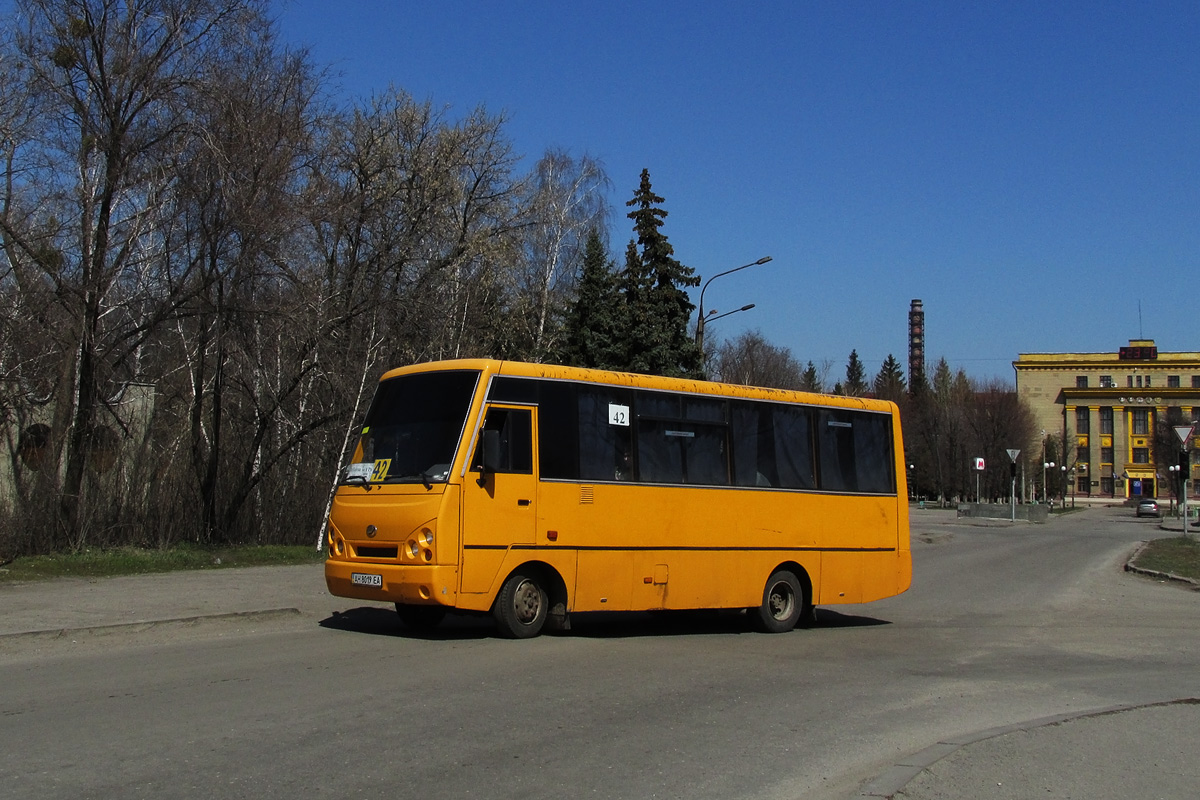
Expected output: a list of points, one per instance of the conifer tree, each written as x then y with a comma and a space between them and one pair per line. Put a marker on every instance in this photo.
856, 383
809, 380
889, 383
593, 325
657, 305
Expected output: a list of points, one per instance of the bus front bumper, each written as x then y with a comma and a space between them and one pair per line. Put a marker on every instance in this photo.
393, 583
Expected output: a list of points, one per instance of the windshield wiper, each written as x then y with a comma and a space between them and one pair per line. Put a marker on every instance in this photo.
357, 480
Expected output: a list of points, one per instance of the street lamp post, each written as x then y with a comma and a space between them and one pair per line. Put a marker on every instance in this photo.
1176, 474
1045, 486
700, 318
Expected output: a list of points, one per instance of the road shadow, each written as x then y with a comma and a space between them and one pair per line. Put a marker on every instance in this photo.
377, 621
827, 618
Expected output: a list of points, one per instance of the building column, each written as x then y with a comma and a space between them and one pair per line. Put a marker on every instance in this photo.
1121, 455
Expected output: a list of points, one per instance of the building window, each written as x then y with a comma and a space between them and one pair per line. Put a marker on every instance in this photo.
1106, 382
1147, 381
1141, 422
1106, 455
1141, 455
1172, 381
1106, 420
1081, 381
1082, 423
1106, 485
1082, 456
1129, 381
1196, 381
1084, 485
1174, 415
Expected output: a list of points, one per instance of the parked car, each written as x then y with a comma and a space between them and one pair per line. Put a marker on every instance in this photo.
1147, 508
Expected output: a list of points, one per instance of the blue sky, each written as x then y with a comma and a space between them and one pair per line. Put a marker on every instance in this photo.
1031, 171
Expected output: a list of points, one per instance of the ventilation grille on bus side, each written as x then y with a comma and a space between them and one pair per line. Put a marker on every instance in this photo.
587, 494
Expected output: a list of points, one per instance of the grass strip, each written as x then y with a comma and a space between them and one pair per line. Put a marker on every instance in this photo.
139, 561
1177, 555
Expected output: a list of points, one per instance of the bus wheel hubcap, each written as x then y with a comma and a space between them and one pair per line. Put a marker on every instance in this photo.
781, 601
527, 602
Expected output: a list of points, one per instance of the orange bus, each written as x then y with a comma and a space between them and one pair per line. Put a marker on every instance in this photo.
532, 491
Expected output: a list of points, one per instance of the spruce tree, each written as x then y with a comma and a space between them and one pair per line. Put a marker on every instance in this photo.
657, 305
809, 380
889, 383
593, 325
856, 383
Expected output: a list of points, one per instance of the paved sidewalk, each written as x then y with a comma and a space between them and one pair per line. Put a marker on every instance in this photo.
75, 603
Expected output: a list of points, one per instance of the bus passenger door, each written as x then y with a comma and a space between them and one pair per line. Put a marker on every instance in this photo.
500, 511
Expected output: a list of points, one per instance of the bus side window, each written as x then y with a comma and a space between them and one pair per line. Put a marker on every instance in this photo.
855, 451
515, 426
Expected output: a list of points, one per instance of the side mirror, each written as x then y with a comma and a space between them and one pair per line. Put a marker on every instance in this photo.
491, 454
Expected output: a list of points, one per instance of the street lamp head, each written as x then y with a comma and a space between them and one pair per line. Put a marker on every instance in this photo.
702, 316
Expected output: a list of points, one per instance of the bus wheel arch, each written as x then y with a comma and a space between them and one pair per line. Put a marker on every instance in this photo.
786, 600
532, 597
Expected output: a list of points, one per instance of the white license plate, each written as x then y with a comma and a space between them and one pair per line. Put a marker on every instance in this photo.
366, 579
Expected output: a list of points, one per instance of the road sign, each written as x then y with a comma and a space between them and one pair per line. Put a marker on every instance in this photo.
979, 464
1012, 455
1184, 432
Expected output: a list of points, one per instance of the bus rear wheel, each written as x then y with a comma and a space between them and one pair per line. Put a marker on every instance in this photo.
420, 618
521, 606
782, 603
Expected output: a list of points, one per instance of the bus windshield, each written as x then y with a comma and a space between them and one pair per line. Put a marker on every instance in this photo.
413, 428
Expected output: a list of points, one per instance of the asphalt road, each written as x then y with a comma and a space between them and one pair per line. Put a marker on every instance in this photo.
1003, 625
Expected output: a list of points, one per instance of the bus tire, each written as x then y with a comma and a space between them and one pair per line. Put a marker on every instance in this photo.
782, 604
521, 606
420, 618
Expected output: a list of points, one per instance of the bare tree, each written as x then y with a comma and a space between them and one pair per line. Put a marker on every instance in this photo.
566, 199
753, 361
114, 81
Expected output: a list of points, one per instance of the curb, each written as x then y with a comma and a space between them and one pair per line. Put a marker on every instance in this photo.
893, 780
58, 633
1153, 573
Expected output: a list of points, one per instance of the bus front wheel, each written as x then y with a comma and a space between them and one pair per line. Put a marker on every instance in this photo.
521, 606
782, 603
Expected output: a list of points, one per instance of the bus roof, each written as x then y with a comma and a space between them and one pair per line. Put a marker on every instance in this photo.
634, 380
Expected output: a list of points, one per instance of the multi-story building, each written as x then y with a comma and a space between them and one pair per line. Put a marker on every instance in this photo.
1115, 414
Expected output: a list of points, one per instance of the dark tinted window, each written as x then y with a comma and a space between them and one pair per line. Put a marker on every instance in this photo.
585, 431
558, 430
415, 423
773, 446
681, 439
855, 451
514, 390
516, 440
605, 434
